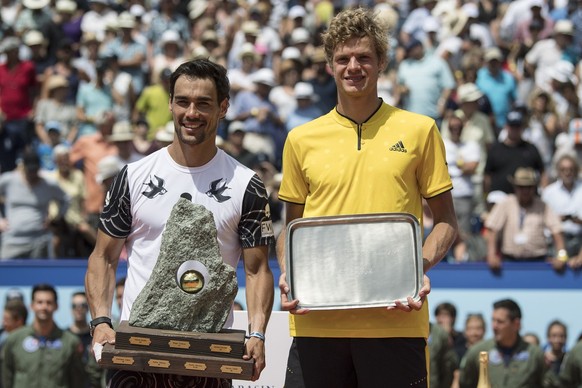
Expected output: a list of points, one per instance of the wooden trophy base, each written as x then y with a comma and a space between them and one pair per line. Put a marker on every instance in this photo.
216, 355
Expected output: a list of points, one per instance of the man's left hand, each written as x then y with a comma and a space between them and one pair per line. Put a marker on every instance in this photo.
412, 304
255, 349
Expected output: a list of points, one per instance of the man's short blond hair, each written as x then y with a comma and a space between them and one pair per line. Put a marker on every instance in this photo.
355, 23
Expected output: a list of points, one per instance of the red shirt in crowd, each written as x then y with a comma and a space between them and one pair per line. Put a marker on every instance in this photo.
16, 87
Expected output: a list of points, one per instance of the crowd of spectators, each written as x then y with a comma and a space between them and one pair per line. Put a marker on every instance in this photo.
84, 84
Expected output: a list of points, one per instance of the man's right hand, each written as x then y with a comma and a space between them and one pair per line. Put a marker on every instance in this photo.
286, 304
102, 335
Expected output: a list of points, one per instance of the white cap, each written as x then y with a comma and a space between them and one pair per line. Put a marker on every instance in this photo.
137, 10
564, 26
126, 20
68, 6
300, 35
430, 25
35, 4
247, 48
166, 133
169, 36
34, 37
108, 167
236, 126
297, 11
562, 71
471, 10
304, 90
291, 53
264, 76
251, 27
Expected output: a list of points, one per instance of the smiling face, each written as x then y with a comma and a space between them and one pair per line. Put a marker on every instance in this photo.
196, 110
356, 68
43, 305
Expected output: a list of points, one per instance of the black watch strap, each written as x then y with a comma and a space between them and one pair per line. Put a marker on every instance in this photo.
97, 321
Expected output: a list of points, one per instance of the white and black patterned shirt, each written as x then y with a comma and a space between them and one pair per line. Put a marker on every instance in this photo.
143, 194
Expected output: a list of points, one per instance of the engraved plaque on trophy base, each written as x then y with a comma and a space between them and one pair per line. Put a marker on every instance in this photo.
177, 364
226, 343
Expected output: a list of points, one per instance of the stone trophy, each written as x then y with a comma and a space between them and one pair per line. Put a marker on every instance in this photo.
175, 325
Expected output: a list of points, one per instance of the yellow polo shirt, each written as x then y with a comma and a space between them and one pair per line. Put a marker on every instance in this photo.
385, 165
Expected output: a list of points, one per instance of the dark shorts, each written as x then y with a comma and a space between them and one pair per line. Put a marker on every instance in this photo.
357, 362
131, 379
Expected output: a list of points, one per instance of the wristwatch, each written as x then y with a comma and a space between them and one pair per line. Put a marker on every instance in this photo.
97, 321
563, 255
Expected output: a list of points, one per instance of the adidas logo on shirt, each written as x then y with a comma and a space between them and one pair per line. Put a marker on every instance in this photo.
398, 147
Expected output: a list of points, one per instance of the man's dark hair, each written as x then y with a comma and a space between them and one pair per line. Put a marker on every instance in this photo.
509, 305
17, 309
203, 69
448, 308
44, 287
82, 293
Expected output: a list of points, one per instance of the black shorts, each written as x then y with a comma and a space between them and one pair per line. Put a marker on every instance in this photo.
357, 362
132, 379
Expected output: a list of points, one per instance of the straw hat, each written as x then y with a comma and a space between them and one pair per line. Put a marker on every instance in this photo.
122, 131
524, 176
56, 81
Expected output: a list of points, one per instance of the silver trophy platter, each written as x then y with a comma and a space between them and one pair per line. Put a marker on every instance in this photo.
355, 261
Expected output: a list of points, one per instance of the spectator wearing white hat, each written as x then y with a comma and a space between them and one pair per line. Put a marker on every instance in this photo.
131, 54
122, 136
89, 54
294, 19
265, 130
38, 45
257, 31
543, 25
248, 32
562, 89
170, 56
547, 52
413, 25
165, 135
168, 18
35, 15
107, 170
283, 95
56, 108
68, 20
240, 77
234, 144
306, 110
97, 18
9, 9
476, 128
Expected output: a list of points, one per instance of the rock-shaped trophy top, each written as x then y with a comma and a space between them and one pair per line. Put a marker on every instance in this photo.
191, 288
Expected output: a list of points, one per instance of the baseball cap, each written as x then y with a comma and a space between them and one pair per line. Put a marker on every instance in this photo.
53, 125
236, 126
515, 118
